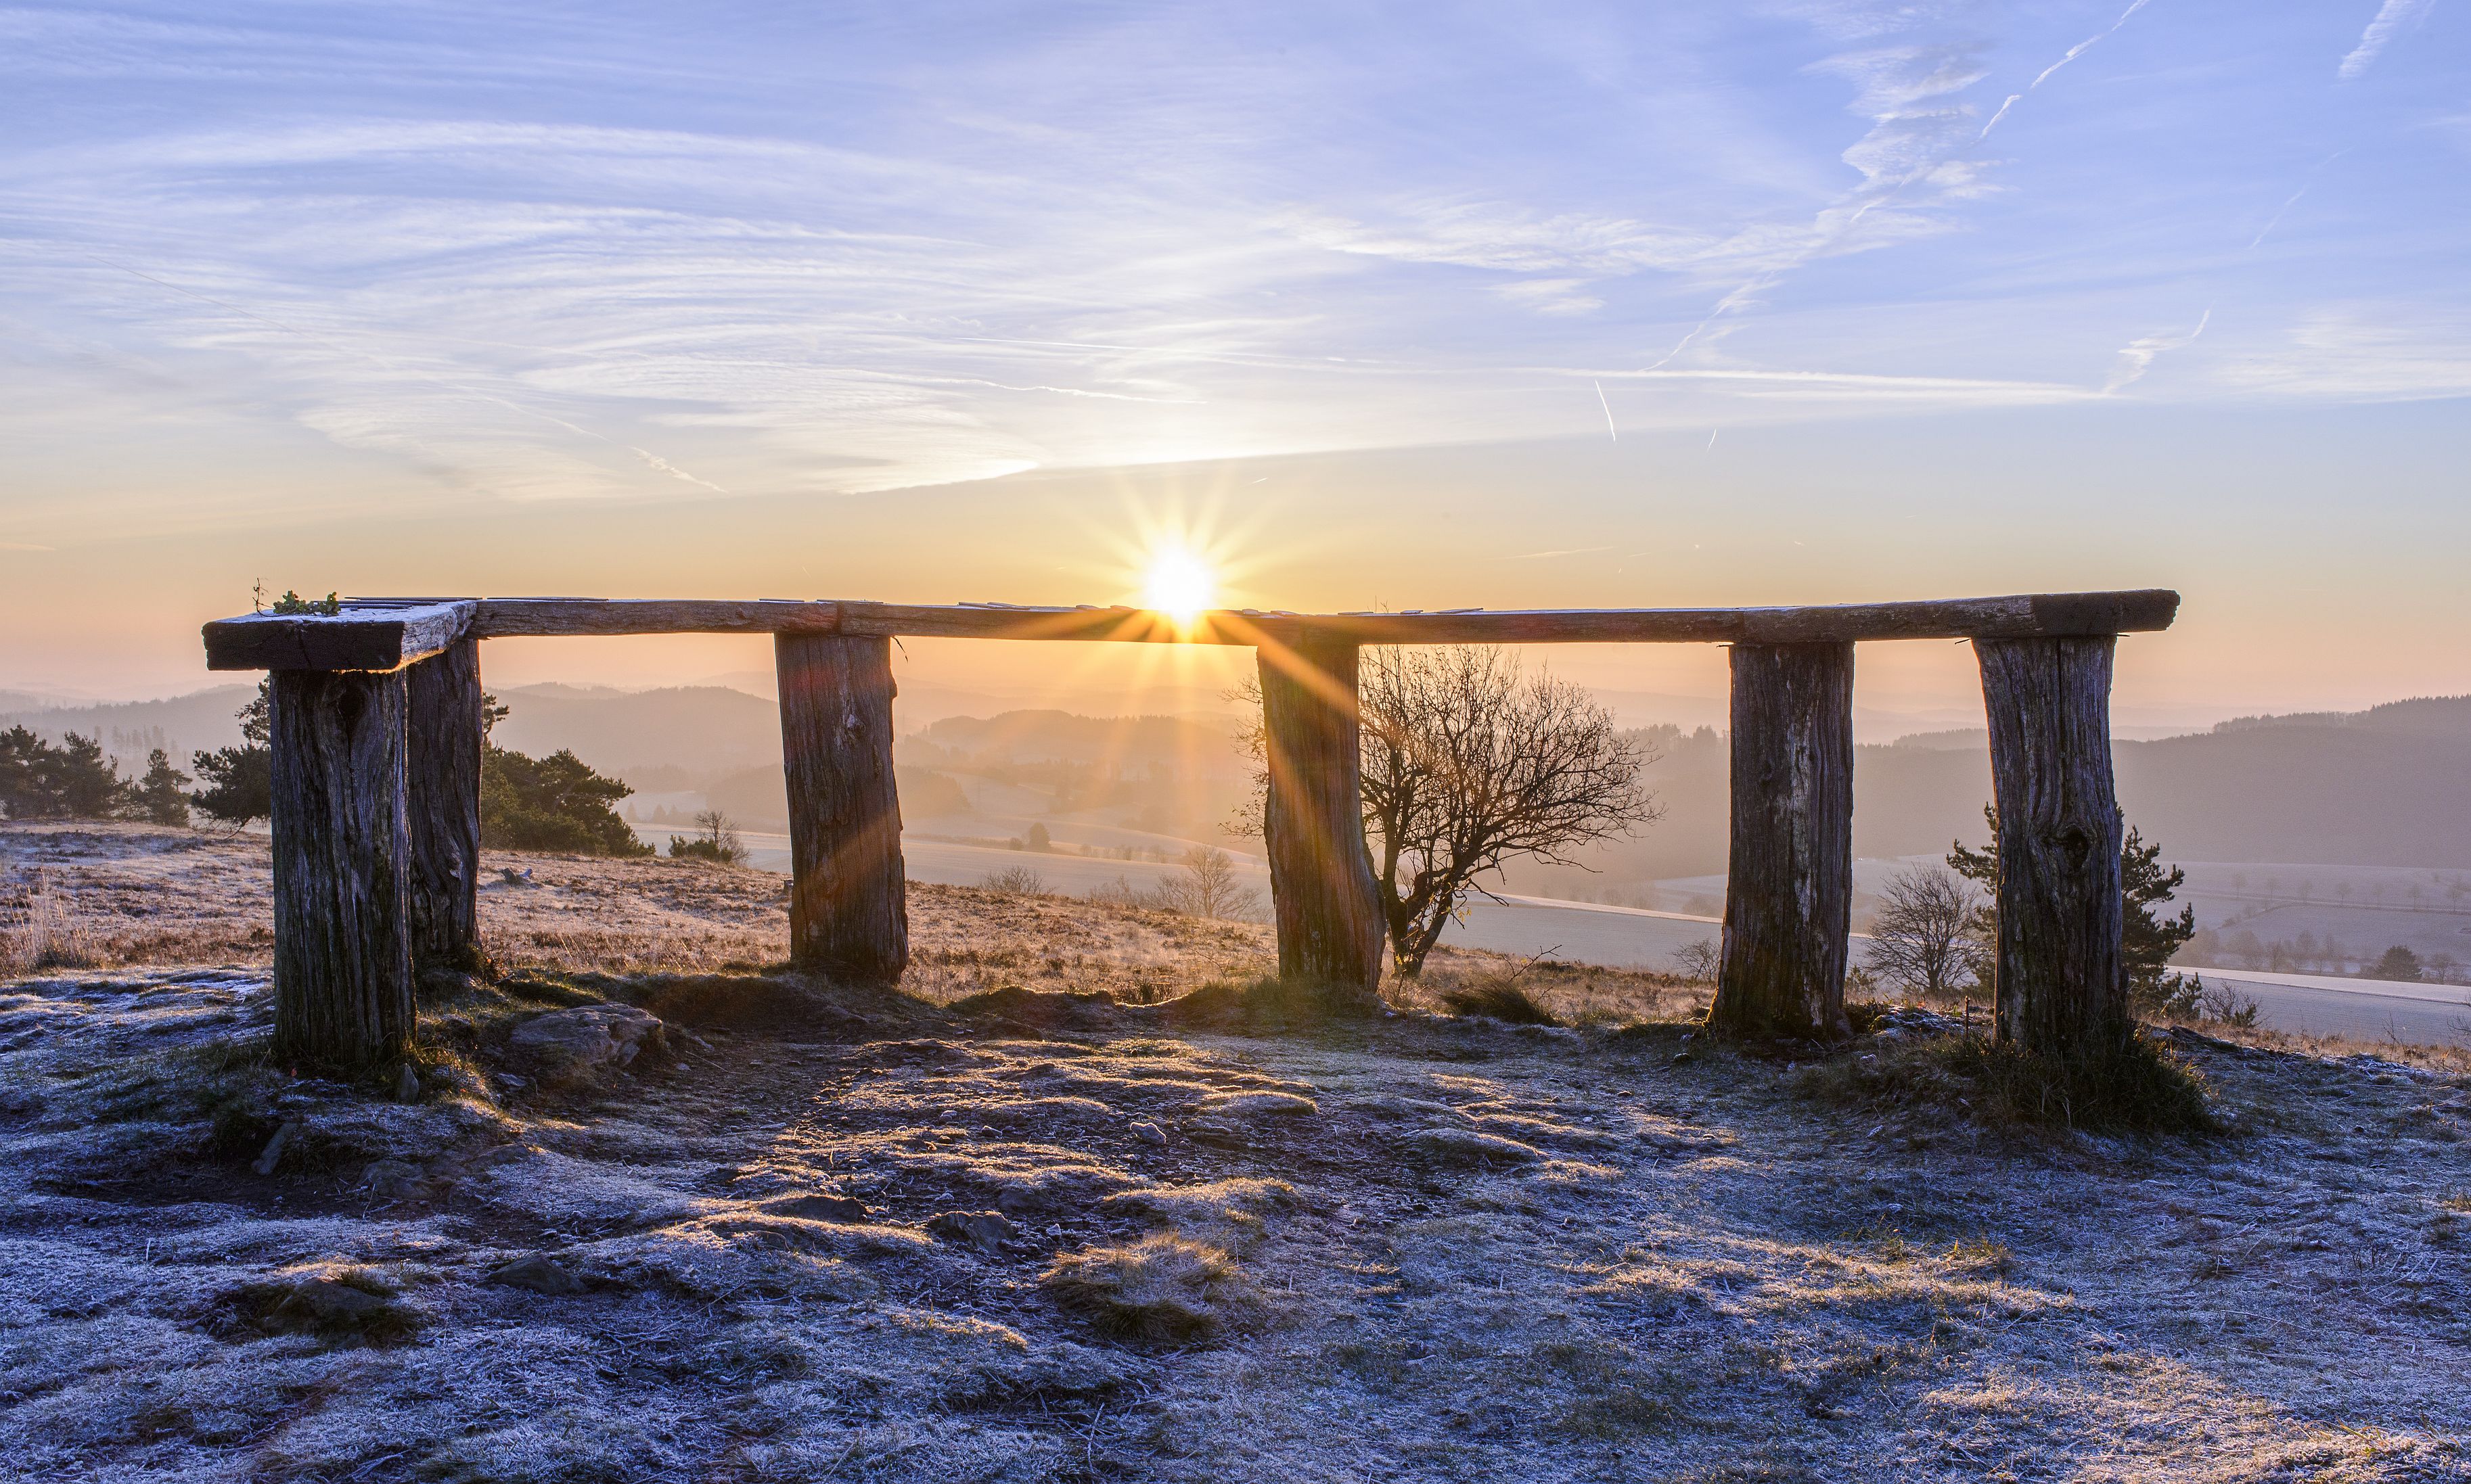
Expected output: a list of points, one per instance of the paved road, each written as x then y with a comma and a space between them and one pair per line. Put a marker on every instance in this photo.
1631, 937
2368, 1010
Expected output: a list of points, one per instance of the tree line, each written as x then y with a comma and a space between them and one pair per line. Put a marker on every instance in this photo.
73, 779
556, 802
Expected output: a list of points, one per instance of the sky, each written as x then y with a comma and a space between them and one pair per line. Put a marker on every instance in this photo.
1415, 305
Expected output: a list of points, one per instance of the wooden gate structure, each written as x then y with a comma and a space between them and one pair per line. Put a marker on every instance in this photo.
377, 737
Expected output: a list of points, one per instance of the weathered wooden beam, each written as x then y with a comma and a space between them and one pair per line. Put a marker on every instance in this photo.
550, 617
2022, 617
263, 642
342, 940
367, 634
1322, 888
2062, 974
442, 739
1789, 887
849, 913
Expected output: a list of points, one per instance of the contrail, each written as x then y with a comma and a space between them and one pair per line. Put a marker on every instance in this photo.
2391, 16
1609, 413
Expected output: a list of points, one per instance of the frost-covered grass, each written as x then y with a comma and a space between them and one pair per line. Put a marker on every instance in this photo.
1229, 1241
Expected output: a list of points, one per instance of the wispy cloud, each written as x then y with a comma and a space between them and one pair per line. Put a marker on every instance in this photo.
2391, 17
2361, 352
963, 243
2136, 357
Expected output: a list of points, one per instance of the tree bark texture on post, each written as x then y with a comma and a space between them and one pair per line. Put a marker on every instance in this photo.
849, 911
2062, 985
342, 937
442, 734
1789, 887
1322, 890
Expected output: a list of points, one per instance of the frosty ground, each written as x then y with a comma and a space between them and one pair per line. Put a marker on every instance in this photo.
1059, 1215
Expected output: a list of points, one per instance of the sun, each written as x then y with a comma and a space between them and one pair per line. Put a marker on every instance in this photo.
1177, 583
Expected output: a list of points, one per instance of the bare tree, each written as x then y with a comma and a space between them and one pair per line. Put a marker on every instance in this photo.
1469, 762
1208, 887
1923, 936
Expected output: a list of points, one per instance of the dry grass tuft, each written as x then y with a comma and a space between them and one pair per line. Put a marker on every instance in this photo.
1271, 1004
1229, 1214
1165, 1288
2137, 1086
1572, 994
1504, 998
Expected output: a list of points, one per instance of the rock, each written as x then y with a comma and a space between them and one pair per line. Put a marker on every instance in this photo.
273, 1154
589, 1037
985, 1230
1150, 1133
1469, 1147
407, 1084
537, 1273
394, 1179
324, 1302
816, 1206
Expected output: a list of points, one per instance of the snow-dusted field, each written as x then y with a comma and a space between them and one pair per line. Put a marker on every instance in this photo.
1414, 1248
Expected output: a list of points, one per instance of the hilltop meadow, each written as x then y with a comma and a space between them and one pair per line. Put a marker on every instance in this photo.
1090, 1200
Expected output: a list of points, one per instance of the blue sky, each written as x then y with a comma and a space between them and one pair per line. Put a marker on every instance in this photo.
309, 271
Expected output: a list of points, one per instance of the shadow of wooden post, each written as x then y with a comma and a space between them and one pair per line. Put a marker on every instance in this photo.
342, 860
2061, 986
849, 913
1322, 891
442, 742
1789, 885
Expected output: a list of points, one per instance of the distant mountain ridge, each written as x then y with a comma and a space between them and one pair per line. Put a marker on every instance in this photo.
2387, 786
2447, 716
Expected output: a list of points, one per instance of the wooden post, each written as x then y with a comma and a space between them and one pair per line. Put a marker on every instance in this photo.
1789, 889
342, 941
443, 734
2062, 975
1322, 890
849, 911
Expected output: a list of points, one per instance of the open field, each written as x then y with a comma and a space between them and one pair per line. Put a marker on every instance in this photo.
135, 895
1224, 1244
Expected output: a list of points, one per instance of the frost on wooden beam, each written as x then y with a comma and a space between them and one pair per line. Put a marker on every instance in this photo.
369, 634
386, 633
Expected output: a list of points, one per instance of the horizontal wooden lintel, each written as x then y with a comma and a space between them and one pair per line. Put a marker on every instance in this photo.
383, 634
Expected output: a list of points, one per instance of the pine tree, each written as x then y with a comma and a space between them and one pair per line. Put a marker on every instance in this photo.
2148, 939
238, 782
552, 804
157, 797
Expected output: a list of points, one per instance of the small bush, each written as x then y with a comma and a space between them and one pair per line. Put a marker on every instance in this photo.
2135, 1086
717, 840
1015, 881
